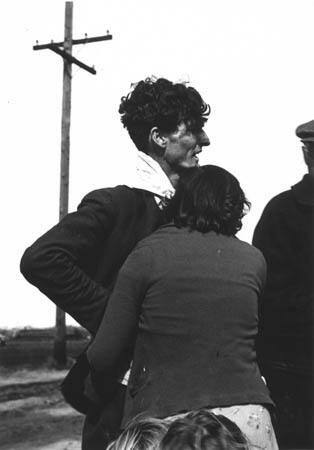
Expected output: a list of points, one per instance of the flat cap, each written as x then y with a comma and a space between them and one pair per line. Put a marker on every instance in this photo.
306, 131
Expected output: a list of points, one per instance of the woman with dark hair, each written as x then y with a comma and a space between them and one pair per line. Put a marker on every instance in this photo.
186, 301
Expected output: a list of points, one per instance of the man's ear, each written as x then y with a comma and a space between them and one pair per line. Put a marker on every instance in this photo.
305, 154
157, 138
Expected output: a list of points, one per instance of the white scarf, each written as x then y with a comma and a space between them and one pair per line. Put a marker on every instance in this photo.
150, 177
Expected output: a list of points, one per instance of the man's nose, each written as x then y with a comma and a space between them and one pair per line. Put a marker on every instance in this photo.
203, 139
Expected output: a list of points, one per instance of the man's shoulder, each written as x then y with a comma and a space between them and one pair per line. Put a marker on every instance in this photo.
281, 203
281, 198
276, 215
120, 193
114, 191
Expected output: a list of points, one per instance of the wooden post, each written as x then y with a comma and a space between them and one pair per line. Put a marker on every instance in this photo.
64, 49
59, 352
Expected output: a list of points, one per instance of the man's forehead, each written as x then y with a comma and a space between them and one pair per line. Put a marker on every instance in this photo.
195, 126
188, 128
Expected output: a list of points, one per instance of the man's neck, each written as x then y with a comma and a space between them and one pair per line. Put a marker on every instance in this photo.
173, 177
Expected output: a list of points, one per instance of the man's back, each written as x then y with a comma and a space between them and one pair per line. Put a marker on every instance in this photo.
76, 262
284, 234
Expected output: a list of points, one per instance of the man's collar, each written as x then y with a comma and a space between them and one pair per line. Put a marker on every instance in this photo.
150, 177
304, 191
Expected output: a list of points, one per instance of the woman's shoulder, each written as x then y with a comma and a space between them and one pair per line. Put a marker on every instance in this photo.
159, 237
249, 256
247, 249
170, 235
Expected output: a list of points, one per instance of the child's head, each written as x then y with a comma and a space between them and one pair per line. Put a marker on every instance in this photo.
203, 430
142, 433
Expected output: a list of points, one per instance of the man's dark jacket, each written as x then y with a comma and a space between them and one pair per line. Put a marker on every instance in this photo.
76, 262
285, 235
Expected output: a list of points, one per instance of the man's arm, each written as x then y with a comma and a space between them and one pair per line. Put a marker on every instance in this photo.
60, 262
273, 237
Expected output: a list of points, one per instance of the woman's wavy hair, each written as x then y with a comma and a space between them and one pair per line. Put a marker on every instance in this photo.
208, 198
163, 104
203, 430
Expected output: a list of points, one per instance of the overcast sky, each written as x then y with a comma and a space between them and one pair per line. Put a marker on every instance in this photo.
252, 60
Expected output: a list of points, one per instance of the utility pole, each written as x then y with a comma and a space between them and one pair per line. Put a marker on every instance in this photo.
64, 49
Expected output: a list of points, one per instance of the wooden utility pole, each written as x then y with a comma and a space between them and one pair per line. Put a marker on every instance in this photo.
59, 350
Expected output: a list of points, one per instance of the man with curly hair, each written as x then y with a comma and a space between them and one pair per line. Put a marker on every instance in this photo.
76, 262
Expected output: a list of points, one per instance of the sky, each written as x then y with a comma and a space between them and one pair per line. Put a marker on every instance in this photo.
251, 60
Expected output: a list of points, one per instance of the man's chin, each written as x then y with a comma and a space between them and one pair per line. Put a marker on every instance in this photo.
194, 163
186, 166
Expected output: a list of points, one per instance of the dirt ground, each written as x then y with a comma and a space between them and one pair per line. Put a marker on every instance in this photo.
33, 414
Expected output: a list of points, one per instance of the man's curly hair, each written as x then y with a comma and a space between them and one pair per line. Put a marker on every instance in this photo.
208, 198
163, 104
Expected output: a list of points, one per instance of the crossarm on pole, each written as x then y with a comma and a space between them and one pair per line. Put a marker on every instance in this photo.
71, 58
106, 37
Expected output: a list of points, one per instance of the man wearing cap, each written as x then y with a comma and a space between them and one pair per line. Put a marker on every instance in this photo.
285, 235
